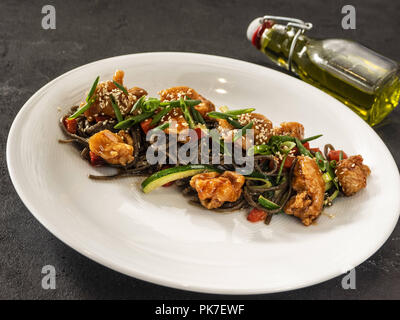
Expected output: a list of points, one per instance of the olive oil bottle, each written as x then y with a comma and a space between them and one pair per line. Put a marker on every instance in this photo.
364, 80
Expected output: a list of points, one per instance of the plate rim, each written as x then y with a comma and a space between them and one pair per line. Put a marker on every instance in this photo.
154, 278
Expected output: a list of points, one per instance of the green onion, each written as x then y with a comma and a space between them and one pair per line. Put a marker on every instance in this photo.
290, 138
277, 140
330, 170
173, 103
131, 121
302, 149
267, 183
192, 103
92, 89
186, 113
261, 149
311, 138
121, 87
256, 174
327, 177
221, 115
151, 104
176, 103
328, 185
83, 109
268, 204
138, 104
281, 168
163, 126
161, 114
234, 123
332, 197
322, 163
250, 151
116, 108
341, 155
215, 137
197, 115
286, 146
242, 131
239, 111
230, 118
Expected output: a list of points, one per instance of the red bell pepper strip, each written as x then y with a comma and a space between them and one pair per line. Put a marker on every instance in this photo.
288, 162
335, 155
146, 125
168, 184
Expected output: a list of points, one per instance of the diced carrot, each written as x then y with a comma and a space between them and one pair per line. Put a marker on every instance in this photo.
256, 215
95, 160
145, 124
335, 155
71, 125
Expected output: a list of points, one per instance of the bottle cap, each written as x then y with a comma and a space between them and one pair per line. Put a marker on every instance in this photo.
252, 28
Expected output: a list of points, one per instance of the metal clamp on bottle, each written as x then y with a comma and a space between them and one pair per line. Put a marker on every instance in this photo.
291, 22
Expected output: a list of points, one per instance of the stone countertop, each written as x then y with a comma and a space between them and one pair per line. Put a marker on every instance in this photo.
87, 31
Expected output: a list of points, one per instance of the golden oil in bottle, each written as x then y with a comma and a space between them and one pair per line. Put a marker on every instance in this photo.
362, 79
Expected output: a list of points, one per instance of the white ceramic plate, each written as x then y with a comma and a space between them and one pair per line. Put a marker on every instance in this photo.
159, 237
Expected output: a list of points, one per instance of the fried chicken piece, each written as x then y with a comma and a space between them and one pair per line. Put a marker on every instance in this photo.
137, 92
352, 174
262, 127
214, 189
126, 137
113, 148
307, 181
175, 93
177, 122
103, 107
293, 129
226, 130
119, 77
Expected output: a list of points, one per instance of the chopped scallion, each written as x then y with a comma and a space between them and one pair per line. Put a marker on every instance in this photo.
92, 89
121, 87
242, 131
131, 121
83, 109
117, 112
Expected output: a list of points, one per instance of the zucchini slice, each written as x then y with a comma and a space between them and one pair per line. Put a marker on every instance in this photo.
268, 204
162, 177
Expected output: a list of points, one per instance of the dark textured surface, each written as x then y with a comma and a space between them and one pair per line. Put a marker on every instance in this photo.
88, 31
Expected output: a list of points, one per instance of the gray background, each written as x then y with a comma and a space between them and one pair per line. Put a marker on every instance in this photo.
87, 31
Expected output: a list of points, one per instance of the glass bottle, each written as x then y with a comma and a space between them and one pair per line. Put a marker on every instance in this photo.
364, 80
